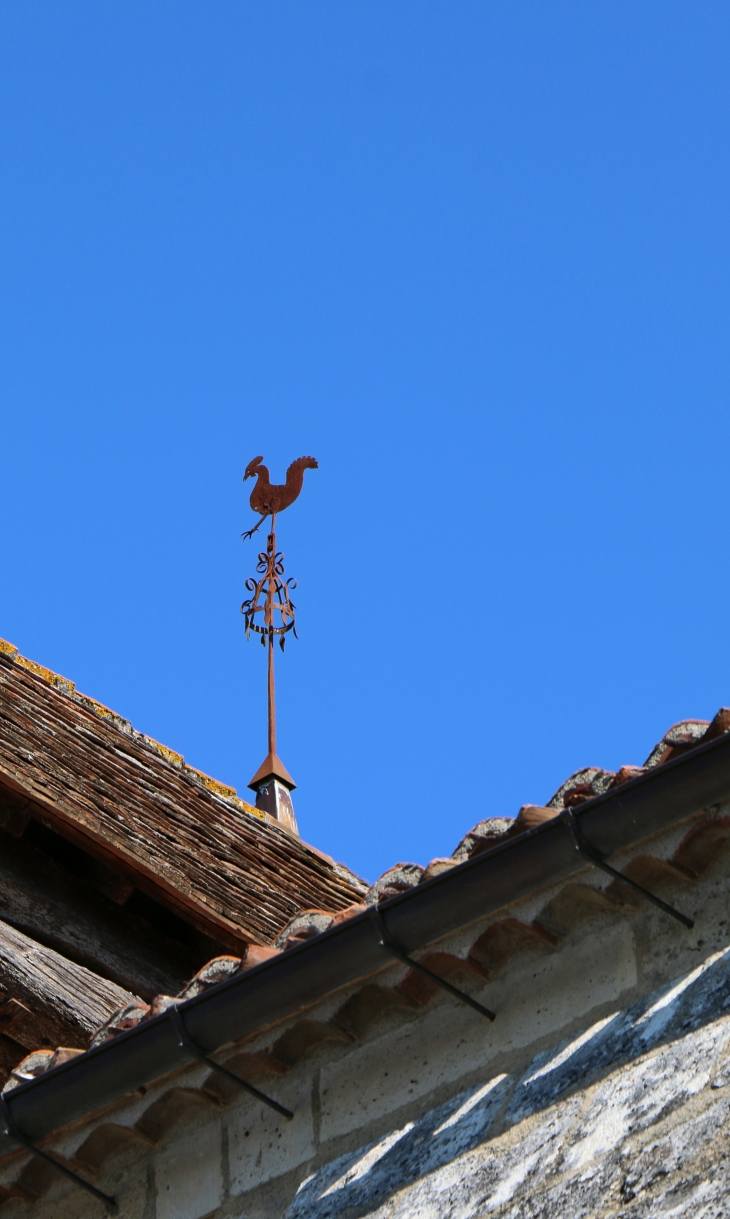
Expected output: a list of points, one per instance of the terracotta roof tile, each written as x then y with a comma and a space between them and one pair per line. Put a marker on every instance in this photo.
396, 880
38, 1062
490, 830
684, 735
582, 785
305, 925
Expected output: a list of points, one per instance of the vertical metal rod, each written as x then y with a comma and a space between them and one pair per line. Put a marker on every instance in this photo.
269, 620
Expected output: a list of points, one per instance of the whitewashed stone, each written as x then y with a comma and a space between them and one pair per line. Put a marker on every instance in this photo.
638, 1136
625, 1116
189, 1176
539, 998
263, 1145
675, 1009
403, 1155
640, 1095
450, 1042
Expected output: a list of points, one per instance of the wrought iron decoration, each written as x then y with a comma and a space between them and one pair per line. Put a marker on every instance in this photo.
270, 595
270, 613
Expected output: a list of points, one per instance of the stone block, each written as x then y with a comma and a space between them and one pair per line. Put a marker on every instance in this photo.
689, 1003
639, 1095
359, 1182
262, 1145
63, 1200
451, 1042
189, 1175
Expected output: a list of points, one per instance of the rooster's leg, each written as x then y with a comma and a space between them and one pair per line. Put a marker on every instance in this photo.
250, 532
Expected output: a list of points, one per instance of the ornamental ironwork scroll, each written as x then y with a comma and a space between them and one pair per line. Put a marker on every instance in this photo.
270, 596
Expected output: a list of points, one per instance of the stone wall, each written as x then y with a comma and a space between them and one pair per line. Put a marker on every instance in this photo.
602, 1089
646, 1137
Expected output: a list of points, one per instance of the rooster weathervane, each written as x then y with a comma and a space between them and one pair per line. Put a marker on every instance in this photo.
270, 613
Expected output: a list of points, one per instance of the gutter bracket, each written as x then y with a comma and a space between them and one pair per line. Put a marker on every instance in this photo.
387, 942
186, 1043
11, 1129
569, 820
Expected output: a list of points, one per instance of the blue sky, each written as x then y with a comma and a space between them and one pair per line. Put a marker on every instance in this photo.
474, 257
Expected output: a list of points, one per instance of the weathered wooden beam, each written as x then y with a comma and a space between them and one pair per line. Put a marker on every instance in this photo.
68, 1000
98, 851
40, 899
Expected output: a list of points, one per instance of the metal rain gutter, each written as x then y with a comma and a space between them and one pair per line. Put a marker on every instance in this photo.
352, 951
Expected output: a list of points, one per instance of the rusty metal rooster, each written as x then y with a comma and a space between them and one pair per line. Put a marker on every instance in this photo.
268, 498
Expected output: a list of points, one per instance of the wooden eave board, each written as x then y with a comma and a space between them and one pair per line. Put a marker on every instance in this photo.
234, 875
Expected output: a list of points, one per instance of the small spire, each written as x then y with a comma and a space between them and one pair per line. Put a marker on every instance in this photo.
272, 767
273, 785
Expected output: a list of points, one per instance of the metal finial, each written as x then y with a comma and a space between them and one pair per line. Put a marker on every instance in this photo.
270, 613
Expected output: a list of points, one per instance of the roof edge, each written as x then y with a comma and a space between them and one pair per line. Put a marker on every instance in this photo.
351, 951
171, 757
